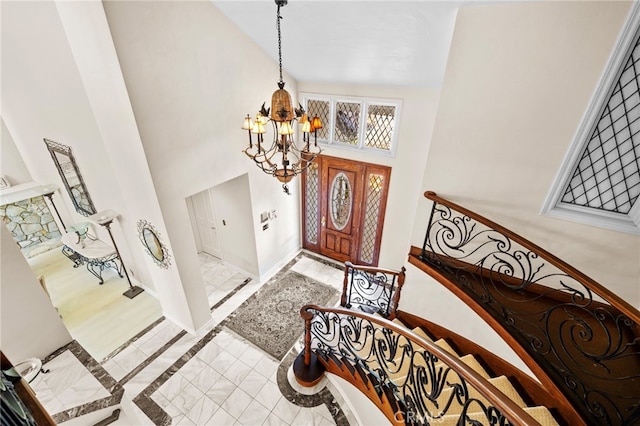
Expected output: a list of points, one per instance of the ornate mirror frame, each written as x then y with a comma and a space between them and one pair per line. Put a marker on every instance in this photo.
150, 239
71, 177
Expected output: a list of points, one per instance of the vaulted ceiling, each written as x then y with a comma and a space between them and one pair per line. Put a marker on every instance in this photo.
404, 43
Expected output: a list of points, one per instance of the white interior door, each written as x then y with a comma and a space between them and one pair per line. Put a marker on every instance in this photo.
205, 217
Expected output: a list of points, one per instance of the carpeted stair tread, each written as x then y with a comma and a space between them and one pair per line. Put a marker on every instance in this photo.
501, 382
399, 322
470, 361
542, 415
420, 332
443, 344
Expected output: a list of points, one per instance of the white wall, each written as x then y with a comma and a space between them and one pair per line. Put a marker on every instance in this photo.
232, 201
182, 302
518, 80
30, 326
43, 97
192, 76
407, 167
11, 164
61, 80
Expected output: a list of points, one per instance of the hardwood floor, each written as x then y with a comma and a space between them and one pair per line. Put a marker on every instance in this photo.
97, 316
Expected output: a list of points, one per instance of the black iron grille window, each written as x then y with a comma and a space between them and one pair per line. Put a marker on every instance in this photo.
607, 175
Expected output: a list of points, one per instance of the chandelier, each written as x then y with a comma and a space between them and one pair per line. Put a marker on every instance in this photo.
283, 158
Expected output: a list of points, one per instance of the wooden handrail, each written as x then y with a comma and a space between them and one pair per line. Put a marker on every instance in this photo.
515, 414
373, 269
613, 299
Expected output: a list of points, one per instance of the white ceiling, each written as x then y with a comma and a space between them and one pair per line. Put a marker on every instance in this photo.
403, 43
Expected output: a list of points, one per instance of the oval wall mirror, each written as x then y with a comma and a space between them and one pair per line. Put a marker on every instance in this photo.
150, 239
152, 243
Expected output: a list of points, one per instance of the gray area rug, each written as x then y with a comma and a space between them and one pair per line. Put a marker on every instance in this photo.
271, 319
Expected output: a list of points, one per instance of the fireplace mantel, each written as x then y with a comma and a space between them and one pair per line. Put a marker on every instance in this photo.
25, 191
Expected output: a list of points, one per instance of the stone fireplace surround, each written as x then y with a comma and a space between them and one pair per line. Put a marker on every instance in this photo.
26, 214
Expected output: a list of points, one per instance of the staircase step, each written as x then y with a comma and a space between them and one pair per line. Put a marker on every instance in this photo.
444, 345
501, 382
540, 414
398, 322
420, 332
470, 361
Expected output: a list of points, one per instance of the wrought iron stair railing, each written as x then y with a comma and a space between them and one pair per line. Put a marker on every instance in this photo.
410, 378
580, 339
372, 289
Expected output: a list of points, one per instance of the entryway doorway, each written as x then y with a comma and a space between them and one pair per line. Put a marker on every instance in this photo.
343, 204
222, 224
203, 213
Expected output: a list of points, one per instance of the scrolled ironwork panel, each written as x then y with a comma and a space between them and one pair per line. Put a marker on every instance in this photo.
589, 349
426, 387
370, 289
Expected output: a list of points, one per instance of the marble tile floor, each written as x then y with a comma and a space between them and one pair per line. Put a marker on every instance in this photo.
173, 377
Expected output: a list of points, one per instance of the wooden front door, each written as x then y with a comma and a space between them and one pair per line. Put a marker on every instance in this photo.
343, 209
341, 196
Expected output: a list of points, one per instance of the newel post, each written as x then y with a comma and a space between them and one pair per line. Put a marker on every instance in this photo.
307, 316
344, 300
307, 368
396, 294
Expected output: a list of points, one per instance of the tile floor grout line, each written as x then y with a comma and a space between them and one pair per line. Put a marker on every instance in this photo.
230, 294
104, 378
145, 402
152, 357
133, 339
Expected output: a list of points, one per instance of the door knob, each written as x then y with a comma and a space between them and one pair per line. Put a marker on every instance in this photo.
324, 221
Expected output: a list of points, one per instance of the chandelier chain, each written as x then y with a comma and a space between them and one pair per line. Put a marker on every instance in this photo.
278, 18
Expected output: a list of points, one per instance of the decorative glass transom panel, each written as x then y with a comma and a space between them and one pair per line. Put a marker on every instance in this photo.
372, 215
347, 121
380, 121
311, 205
341, 200
356, 122
321, 109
